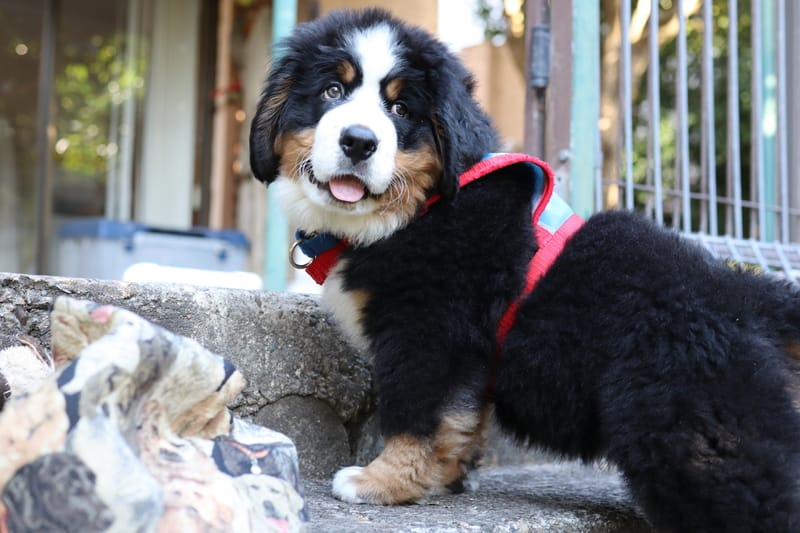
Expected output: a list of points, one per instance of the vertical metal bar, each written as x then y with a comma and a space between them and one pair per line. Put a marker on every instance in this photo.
793, 115
598, 159
585, 107
654, 101
205, 108
112, 161
627, 103
284, 19
598, 143
559, 97
536, 16
127, 145
734, 172
44, 198
757, 117
683, 121
783, 114
709, 141
769, 119
120, 162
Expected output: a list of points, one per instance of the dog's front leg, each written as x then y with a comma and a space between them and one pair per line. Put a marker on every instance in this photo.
411, 468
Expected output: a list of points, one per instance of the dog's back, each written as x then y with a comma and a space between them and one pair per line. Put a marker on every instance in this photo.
673, 365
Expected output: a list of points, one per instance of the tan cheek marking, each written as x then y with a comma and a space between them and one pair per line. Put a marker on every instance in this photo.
294, 148
274, 105
793, 350
393, 89
346, 72
410, 468
415, 177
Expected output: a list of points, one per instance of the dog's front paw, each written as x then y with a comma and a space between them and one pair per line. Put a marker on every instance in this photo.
345, 485
378, 484
409, 469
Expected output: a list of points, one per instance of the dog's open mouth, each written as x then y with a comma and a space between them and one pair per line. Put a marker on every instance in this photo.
346, 188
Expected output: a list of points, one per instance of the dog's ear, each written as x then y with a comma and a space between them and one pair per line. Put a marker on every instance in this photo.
264, 158
464, 132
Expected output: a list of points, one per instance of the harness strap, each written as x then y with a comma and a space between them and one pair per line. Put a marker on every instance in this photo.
550, 245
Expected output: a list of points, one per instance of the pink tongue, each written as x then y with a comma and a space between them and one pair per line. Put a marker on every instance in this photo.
347, 188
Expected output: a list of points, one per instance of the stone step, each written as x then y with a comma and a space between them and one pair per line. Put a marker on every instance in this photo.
307, 383
563, 497
303, 380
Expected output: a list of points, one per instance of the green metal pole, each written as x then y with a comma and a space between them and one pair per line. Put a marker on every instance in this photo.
276, 235
584, 134
769, 113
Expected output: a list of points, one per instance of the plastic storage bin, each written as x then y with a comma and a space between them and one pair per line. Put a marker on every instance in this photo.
104, 249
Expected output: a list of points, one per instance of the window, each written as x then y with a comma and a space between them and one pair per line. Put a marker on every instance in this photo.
85, 62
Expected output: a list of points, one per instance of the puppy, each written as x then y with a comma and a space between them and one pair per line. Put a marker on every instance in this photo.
633, 344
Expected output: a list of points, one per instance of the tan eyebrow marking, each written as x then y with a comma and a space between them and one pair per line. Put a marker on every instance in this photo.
393, 89
346, 72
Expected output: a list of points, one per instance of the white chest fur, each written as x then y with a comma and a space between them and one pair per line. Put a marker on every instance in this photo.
346, 306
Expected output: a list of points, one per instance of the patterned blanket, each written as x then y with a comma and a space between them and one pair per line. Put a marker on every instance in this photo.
125, 428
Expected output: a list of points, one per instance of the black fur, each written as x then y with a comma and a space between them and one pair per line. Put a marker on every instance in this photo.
437, 291
645, 350
636, 346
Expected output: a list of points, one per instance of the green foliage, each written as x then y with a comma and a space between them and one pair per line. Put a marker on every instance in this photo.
668, 70
90, 88
491, 13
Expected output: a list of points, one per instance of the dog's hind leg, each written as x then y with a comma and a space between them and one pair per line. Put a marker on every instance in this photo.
717, 451
410, 468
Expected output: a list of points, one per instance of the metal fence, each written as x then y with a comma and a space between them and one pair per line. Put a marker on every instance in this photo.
718, 88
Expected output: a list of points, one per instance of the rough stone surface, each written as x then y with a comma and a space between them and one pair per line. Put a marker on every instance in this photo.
312, 425
564, 497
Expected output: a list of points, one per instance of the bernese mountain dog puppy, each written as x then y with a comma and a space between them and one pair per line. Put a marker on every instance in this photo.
635, 345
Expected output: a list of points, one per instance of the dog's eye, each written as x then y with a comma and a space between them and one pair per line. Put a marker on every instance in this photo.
334, 91
398, 108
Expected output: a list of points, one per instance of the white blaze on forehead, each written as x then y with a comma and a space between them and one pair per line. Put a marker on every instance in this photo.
375, 51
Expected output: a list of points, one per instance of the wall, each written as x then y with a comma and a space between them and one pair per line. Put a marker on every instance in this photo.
165, 187
419, 12
500, 90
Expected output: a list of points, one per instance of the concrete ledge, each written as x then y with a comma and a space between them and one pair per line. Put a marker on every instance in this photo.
307, 383
303, 380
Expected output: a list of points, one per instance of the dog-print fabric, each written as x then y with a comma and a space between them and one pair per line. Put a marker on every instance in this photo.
131, 433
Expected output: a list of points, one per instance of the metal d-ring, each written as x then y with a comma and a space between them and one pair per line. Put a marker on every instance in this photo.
292, 261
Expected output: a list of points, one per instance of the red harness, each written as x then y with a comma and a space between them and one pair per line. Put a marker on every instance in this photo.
553, 221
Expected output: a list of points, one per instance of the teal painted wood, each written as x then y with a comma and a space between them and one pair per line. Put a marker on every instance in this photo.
276, 234
584, 187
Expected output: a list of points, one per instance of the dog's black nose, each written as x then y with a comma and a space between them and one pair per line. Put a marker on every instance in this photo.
358, 143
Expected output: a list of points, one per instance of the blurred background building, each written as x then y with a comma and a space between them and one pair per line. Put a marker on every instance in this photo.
123, 118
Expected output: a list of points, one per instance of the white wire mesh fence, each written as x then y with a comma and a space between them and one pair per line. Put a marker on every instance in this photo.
706, 148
